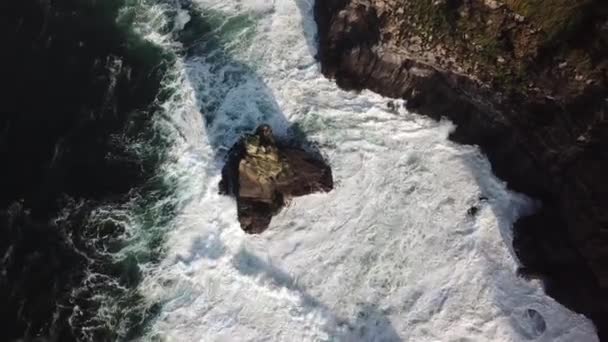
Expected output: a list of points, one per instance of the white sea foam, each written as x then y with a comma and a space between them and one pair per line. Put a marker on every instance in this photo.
390, 254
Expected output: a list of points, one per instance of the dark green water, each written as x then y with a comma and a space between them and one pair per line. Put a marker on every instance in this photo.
79, 153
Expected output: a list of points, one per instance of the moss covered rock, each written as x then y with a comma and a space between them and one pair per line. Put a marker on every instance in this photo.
263, 175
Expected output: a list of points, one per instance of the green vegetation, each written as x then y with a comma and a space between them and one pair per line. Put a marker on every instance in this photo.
491, 48
437, 17
554, 17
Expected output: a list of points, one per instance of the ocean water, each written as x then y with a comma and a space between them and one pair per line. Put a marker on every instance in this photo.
83, 197
413, 244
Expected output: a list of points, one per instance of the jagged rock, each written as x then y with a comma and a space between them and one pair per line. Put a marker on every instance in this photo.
263, 174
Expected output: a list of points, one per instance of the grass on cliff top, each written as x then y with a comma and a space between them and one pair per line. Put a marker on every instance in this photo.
554, 17
434, 16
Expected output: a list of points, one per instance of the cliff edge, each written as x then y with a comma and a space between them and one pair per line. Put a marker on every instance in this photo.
527, 81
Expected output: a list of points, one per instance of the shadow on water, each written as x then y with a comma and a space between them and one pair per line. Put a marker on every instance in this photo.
231, 97
234, 100
512, 295
370, 324
309, 25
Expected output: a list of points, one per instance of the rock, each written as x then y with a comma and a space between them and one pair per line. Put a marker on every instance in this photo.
492, 4
472, 211
262, 175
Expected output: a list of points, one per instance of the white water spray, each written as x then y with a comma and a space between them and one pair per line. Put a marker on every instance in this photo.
390, 254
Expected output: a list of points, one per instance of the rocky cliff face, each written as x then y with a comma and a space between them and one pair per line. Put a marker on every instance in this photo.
526, 80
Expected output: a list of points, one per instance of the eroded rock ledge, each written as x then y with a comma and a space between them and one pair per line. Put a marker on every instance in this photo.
526, 81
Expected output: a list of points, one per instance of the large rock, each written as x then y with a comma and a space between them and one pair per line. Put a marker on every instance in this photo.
525, 80
263, 175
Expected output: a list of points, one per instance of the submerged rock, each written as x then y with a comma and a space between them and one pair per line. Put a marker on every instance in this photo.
262, 175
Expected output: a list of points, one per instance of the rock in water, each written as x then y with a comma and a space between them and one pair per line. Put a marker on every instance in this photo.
262, 175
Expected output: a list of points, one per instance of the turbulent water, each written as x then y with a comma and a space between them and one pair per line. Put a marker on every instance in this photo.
412, 244
81, 139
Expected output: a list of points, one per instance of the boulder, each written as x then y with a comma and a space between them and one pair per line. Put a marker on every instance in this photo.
263, 175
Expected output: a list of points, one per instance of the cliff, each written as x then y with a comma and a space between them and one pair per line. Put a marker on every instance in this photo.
527, 81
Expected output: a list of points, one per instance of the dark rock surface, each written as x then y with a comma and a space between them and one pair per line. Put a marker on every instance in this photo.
526, 81
263, 174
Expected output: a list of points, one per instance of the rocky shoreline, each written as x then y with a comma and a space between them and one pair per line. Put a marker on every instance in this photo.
524, 80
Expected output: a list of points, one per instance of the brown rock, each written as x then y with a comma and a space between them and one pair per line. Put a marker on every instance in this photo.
262, 175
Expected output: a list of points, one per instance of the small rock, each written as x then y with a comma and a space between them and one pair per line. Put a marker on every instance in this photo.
416, 40
264, 175
500, 60
519, 18
492, 4
414, 48
563, 65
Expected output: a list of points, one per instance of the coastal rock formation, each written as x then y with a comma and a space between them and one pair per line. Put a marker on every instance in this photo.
525, 80
263, 175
